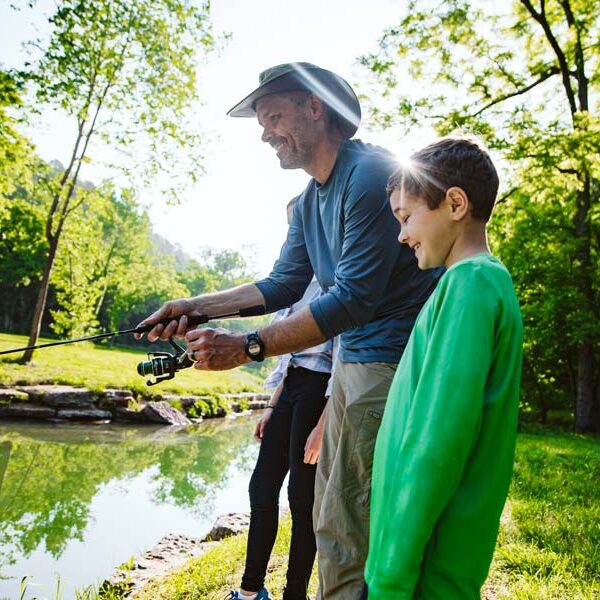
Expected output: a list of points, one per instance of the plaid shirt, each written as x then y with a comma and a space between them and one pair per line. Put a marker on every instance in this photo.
318, 358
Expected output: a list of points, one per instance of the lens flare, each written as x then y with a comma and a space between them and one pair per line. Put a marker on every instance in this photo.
326, 94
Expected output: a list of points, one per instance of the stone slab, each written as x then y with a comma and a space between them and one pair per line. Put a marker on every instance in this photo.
8, 395
25, 410
249, 396
110, 399
59, 396
94, 414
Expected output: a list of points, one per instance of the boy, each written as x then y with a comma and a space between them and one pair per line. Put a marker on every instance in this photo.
444, 453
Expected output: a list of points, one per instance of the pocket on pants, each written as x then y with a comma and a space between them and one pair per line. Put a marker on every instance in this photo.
364, 421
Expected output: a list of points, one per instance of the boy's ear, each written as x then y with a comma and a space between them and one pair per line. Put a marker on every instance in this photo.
458, 202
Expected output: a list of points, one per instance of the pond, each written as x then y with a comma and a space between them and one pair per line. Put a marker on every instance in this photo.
78, 500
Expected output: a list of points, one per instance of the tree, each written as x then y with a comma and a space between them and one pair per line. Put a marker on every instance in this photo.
124, 71
16, 154
525, 78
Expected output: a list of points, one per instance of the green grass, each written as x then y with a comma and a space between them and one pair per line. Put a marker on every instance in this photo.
97, 368
548, 547
549, 542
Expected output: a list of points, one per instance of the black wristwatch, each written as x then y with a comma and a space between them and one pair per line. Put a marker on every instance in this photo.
254, 348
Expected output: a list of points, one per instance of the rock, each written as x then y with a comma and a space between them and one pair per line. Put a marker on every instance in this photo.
163, 412
86, 414
184, 401
26, 410
170, 553
248, 396
258, 404
129, 415
227, 525
59, 396
113, 398
8, 395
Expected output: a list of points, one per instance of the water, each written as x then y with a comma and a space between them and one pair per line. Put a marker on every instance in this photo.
78, 500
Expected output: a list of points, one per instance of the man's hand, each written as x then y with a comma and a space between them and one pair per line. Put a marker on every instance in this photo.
178, 310
260, 426
215, 349
312, 448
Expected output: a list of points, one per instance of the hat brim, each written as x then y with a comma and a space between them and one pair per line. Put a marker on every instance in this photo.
328, 86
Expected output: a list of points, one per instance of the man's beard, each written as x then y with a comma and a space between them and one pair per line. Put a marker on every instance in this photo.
294, 157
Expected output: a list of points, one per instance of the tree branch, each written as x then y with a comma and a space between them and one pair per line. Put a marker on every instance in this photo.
506, 195
551, 72
582, 80
562, 61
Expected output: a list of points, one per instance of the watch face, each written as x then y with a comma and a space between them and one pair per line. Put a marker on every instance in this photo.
254, 348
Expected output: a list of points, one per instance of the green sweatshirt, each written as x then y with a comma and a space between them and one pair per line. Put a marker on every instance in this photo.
444, 453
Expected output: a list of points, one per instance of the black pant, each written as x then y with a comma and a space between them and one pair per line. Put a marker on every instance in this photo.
282, 448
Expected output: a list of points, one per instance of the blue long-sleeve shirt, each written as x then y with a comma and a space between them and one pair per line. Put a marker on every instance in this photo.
345, 233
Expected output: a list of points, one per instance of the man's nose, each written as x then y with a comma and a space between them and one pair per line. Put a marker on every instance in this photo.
402, 237
266, 135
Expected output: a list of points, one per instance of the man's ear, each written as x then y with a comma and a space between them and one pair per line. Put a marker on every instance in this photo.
316, 107
458, 203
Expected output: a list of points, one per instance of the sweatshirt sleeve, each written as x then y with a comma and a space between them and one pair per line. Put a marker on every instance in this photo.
443, 419
369, 253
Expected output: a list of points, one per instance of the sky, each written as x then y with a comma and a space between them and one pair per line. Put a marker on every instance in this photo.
240, 202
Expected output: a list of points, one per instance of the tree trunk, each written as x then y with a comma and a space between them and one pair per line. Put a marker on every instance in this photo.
40, 305
585, 409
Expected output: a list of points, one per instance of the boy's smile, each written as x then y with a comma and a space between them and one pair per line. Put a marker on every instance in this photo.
428, 232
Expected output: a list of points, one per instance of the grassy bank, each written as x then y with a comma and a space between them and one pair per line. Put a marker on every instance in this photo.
549, 543
97, 367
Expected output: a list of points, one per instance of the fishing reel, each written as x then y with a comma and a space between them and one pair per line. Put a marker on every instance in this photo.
163, 365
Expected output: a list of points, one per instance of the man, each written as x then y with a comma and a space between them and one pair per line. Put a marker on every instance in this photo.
344, 233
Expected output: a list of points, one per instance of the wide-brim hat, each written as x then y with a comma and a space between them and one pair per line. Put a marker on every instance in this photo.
290, 77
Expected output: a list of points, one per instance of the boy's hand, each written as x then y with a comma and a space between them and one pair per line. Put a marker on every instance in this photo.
312, 448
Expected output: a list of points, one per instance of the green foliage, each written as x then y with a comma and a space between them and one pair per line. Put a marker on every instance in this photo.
525, 79
126, 70
208, 406
16, 154
107, 267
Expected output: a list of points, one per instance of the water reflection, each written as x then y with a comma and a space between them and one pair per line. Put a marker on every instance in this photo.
106, 493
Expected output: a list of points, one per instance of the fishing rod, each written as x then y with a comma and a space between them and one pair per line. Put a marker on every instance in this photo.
161, 365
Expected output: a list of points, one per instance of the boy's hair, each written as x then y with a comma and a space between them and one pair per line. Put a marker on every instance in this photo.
446, 163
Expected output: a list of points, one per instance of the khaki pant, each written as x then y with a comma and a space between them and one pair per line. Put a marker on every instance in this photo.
343, 481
